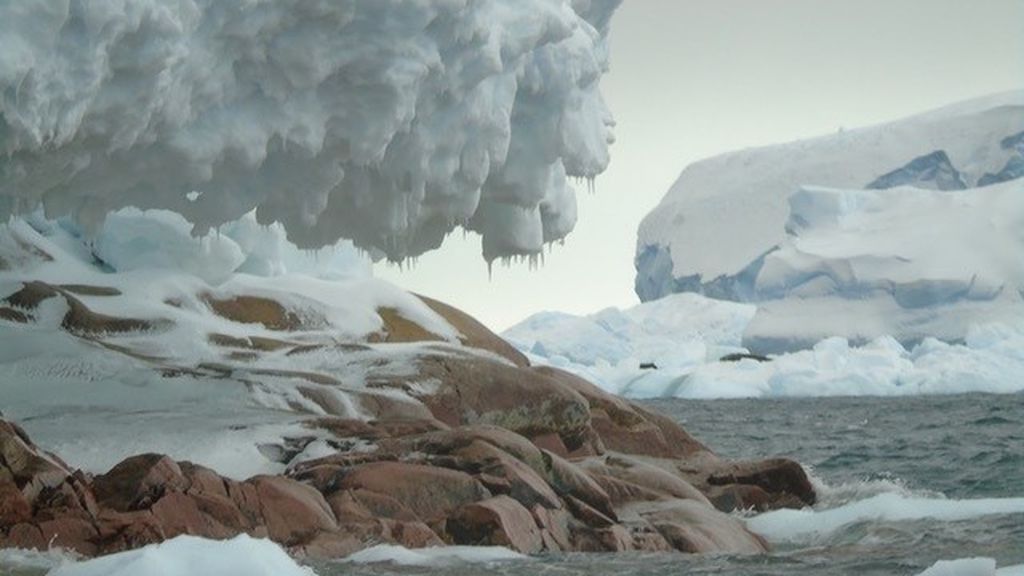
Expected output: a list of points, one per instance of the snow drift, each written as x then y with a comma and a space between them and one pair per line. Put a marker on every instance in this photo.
919, 232
388, 122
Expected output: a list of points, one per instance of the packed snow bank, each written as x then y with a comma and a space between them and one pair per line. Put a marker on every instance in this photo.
435, 557
684, 337
388, 122
191, 556
930, 248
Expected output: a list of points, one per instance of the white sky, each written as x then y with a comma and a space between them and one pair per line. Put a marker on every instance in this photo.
692, 79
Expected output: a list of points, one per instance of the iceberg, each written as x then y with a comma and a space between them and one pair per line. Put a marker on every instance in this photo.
909, 229
386, 122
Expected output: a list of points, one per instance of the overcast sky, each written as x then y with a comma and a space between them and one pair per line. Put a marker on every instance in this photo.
692, 79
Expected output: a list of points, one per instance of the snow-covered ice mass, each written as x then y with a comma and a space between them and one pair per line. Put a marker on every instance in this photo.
908, 229
386, 122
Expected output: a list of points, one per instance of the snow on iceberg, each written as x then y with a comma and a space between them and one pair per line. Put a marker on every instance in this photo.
757, 225
907, 262
384, 121
680, 355
191, 556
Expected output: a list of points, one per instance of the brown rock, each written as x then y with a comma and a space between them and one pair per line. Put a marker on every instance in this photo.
24, 536
524, 485
474, 334
413, 534
448, 441
498, 521
31, 469
478, 390
691, 526
625, 427
138, 482
222, 511
293, 512
431, 493
13, 315
119, 531
14, 508
202, 480
70, 533
179, 514
785, 481
259, 310
554, 526
570, 480
653, 478
587, 514
397, 328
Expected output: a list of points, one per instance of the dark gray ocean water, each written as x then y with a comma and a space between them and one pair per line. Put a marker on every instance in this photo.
964, 448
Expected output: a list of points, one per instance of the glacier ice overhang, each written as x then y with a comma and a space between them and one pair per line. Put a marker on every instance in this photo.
389, 122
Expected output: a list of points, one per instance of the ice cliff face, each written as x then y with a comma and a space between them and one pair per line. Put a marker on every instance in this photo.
918, 233
388, 122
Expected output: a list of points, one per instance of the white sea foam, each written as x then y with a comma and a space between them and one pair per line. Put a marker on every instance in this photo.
435, 557
812, 525
971, 567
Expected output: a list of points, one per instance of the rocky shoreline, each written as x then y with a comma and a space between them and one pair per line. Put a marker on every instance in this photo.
535, 460
413, 424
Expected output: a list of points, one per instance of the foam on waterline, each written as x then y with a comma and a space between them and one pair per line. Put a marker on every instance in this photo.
435, 557
807, 524
971, 567
388, 122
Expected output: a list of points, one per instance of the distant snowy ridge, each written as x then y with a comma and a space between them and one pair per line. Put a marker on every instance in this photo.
388, 122
910, 229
